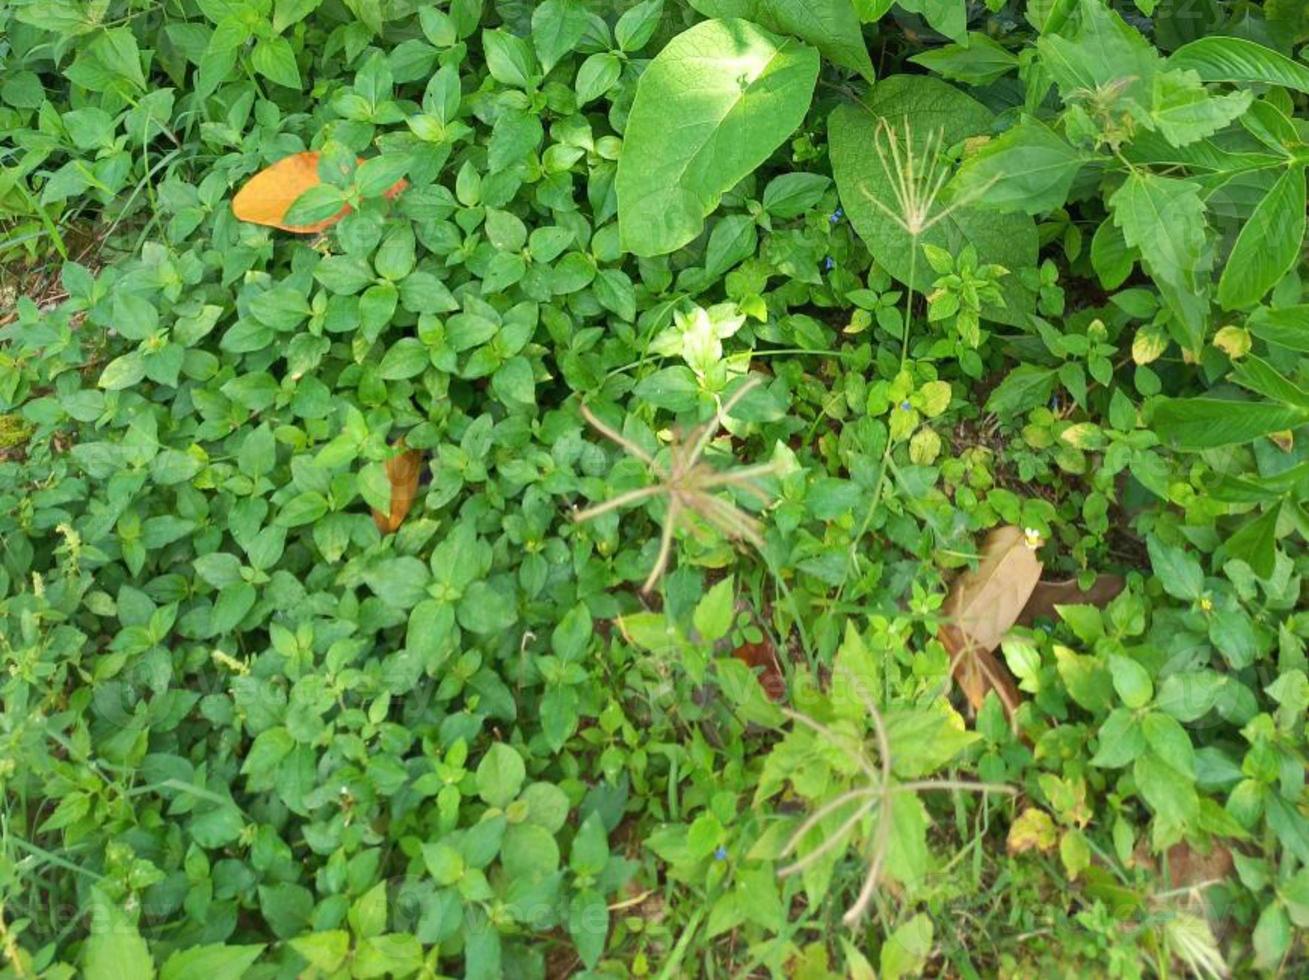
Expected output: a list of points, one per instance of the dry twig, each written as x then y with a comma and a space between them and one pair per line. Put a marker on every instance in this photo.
689, 483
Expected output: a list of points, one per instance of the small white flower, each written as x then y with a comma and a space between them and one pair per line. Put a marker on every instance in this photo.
1033, 536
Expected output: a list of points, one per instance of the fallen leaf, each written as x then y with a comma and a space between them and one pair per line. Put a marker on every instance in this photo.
1034, 830
762, 659
268, 195
1187, 867
1047, 595
403, 470
982, 606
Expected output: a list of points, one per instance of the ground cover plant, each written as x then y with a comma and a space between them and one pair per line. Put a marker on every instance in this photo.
664, 488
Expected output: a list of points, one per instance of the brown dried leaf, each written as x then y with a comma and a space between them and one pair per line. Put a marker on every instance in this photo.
1187, 867
403, 470
762, 659
1047, 595
982, 606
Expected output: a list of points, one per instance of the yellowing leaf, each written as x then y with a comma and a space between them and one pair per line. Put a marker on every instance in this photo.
268, 195
403, 471
1032, 831
982, 606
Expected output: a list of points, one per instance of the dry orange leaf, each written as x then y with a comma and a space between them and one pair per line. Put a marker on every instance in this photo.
268, 195
403, 471
982, 606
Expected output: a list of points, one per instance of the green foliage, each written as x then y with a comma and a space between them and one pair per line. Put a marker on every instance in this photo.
719, 358
695, 131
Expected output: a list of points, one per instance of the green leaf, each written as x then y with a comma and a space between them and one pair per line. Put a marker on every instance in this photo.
1234, 59
1111, 257
274, 59
638, 24
1184, 110
1166, 737
318, 203
1269, 244
1178, 570
1105, 53
1295, 893
557, 26
1024, 388
713, 613
1262, 378
500, 775
509, 58
979, 62
588, 925
1131, 681
1164, 219
590, 851
791, 195
215, 961
930, 108
1287, 327
1168, 792
949, 17
599, 73
123, 372
1204, 423
1272, 936
1087, 680
1255, 543
1028, 168
115, 949
906, 950
731, 93
832, 26
1120, 740
922, 740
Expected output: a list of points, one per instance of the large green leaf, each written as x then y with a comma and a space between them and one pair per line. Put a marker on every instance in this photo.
115, 949
1234, 59
1029, 168
832, 26
931, 109
1205, 423
1164, 219
979, 61
1287, 327
1184, 111
1105, 53
710, 108
950, 17
1269, 243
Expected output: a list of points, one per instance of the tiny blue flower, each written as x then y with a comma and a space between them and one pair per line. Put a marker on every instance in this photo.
837, 215
904, 406
828, 263
721, 853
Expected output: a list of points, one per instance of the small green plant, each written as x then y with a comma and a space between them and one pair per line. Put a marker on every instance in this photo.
628, 488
